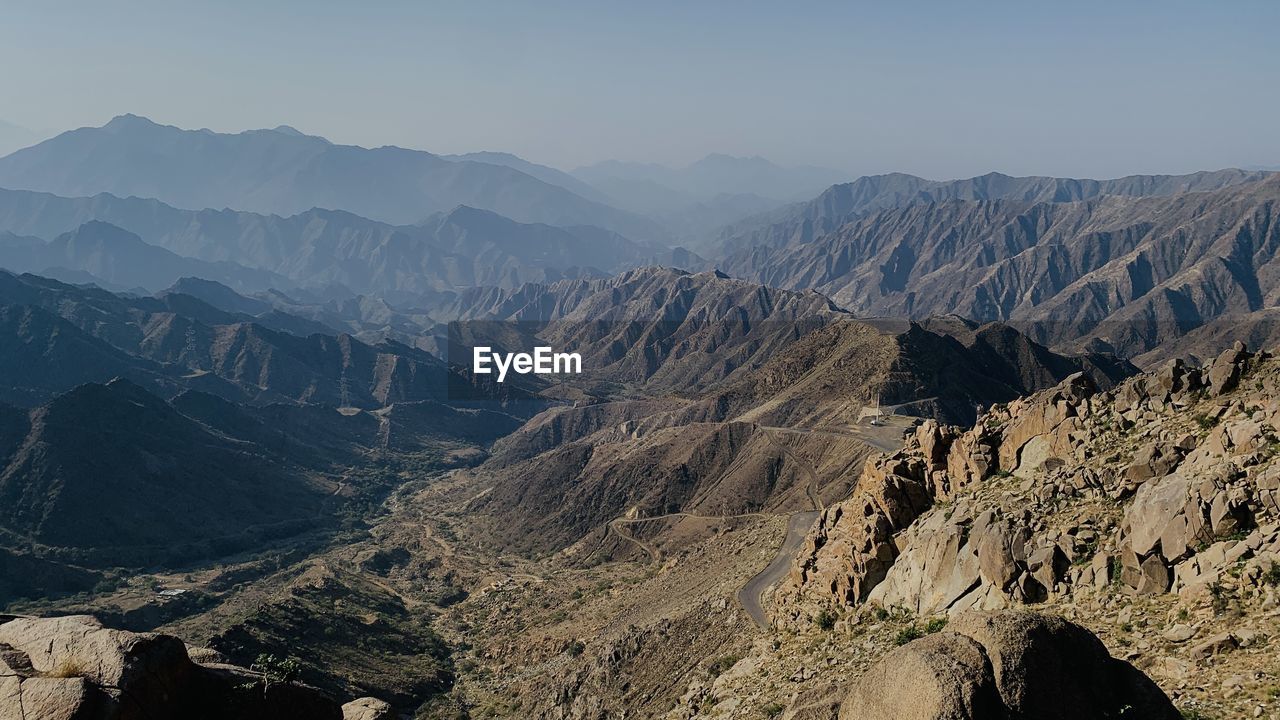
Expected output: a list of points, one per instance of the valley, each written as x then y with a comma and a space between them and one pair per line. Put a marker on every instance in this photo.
275, 441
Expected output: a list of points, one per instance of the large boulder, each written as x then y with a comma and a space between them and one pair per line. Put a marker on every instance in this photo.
1010, 665
945, 676
1051, 669
73, 667
367, 708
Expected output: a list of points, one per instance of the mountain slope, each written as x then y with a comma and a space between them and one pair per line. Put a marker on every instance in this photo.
151, 480
655, 327
840, 204
285, 172
546, 174
177, 341
1128, 273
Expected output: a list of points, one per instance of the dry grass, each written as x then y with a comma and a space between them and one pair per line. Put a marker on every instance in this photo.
69, 668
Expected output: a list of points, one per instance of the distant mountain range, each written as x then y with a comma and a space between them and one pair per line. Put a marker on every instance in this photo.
458, 249
282, 171
119, 258
839, 204
1124, 265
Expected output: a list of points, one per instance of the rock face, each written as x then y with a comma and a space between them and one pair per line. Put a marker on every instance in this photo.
1014, 665
74, 668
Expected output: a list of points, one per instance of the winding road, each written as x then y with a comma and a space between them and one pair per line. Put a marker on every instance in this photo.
885, 438
751, 594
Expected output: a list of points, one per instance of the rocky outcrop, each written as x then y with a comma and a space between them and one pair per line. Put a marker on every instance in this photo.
367, 709
74, 668
969, 519
1014, 665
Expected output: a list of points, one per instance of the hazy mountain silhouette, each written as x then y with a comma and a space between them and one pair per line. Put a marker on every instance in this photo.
542, 172
121, 259
285, 172
461, 248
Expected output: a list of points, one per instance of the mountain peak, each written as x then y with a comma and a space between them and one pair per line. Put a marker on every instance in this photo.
129, 121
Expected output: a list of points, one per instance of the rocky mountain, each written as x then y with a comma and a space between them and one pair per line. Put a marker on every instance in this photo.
654, 326
696, 201
284, 172
1160, 492
177, 341
156, 484
761, 378
44, 354
461, 248
840, 204
1115, 272
119, 258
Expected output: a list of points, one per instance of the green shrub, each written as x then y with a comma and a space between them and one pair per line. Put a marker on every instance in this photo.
1272, 575
721, 665
907, 634
825, 619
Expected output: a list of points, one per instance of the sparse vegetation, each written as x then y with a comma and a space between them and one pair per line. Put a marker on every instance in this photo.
1272, 575
69, 668
826, 619
1206, 422
276, 670
721, 665
1218, 598
907, 634
772, 710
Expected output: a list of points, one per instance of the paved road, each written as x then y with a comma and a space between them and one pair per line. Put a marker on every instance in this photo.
886, 438
750, 594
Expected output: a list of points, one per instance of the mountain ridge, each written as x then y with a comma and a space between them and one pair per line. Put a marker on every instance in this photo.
287, 173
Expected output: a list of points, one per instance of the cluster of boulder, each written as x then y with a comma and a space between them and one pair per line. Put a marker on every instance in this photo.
1185, 451
73, 668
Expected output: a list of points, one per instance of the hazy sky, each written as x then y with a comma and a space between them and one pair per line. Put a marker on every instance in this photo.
942, 89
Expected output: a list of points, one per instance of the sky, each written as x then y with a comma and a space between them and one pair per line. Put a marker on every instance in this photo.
939, 89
